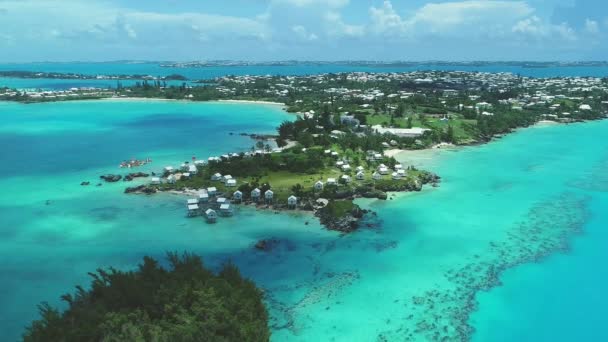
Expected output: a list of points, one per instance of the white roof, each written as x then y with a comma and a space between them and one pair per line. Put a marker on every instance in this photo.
221, 200
192, 206
192, 201
331, 180
225, 206
156, 179
255, 191
231, 181
203, 195
210, 212
212, 189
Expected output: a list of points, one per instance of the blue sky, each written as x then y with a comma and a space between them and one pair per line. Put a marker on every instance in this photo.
98, 30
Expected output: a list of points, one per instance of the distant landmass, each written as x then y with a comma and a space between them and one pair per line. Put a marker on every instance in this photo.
525, 64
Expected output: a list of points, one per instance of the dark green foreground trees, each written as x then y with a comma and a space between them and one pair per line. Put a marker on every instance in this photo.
186, 302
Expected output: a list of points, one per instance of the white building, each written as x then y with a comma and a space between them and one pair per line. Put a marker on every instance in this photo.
212, 191
377, 176
231, 182
292, 201
255, 194
360, 175
331, 181
268, 196
318, 186
155, 180
346, 178
216, 177
211, 215
237, 196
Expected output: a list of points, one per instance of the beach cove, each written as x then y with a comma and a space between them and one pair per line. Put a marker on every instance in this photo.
415, 277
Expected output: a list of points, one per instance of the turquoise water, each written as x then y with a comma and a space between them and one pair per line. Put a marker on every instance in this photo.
154, 69
415, 275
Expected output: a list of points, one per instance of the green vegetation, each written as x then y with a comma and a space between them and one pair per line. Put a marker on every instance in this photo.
340, 209
185, 302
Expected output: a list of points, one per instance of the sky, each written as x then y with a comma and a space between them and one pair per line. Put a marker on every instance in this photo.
328, 30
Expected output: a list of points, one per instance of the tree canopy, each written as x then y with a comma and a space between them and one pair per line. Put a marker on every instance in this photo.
185, 302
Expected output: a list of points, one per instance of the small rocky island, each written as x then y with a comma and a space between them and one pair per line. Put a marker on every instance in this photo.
324, 181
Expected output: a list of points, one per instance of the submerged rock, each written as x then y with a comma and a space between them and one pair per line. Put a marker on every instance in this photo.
142, 189
110, 178
134, 175
85, 183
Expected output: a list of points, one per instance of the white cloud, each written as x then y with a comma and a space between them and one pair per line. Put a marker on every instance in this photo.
536, 28
592, 26
304, 3
302, 33
463, 17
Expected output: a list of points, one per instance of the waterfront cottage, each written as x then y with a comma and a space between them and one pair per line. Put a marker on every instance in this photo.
168, 168
226, 209
292, 202
211, 215
192, 169
318, 186
193, 210
398, 167
221, 200
268, 196
212, 191
203, 197
237, 196
401, 173
171, 179
331, 181
186, 175
255, 195
155, 181
216, 177
231, 182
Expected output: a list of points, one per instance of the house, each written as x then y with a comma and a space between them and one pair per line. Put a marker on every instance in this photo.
395, 176
340, 163
584, 107
186, 175
216, 177
349, 120
360, 168
192, 169
212, 191
360, 175
226, 178
203, 197
226, 209
231, 182
193, 210
383, 170
334, 154
414, 132
292, 202
169, 169
346, 168
268, 196
255, 194
211, 215
401, 173
398, 167
237, 196
331, 181
156, 180
318, 186
327, 151
376, 176
192, 201
345, 178
171, 179
221, 200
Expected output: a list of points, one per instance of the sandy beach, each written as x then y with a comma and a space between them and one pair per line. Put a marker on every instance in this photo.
252, 102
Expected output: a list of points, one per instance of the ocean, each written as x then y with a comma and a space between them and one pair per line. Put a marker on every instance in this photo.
532, 203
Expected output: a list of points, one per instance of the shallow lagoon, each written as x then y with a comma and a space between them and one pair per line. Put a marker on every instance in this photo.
414, 277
